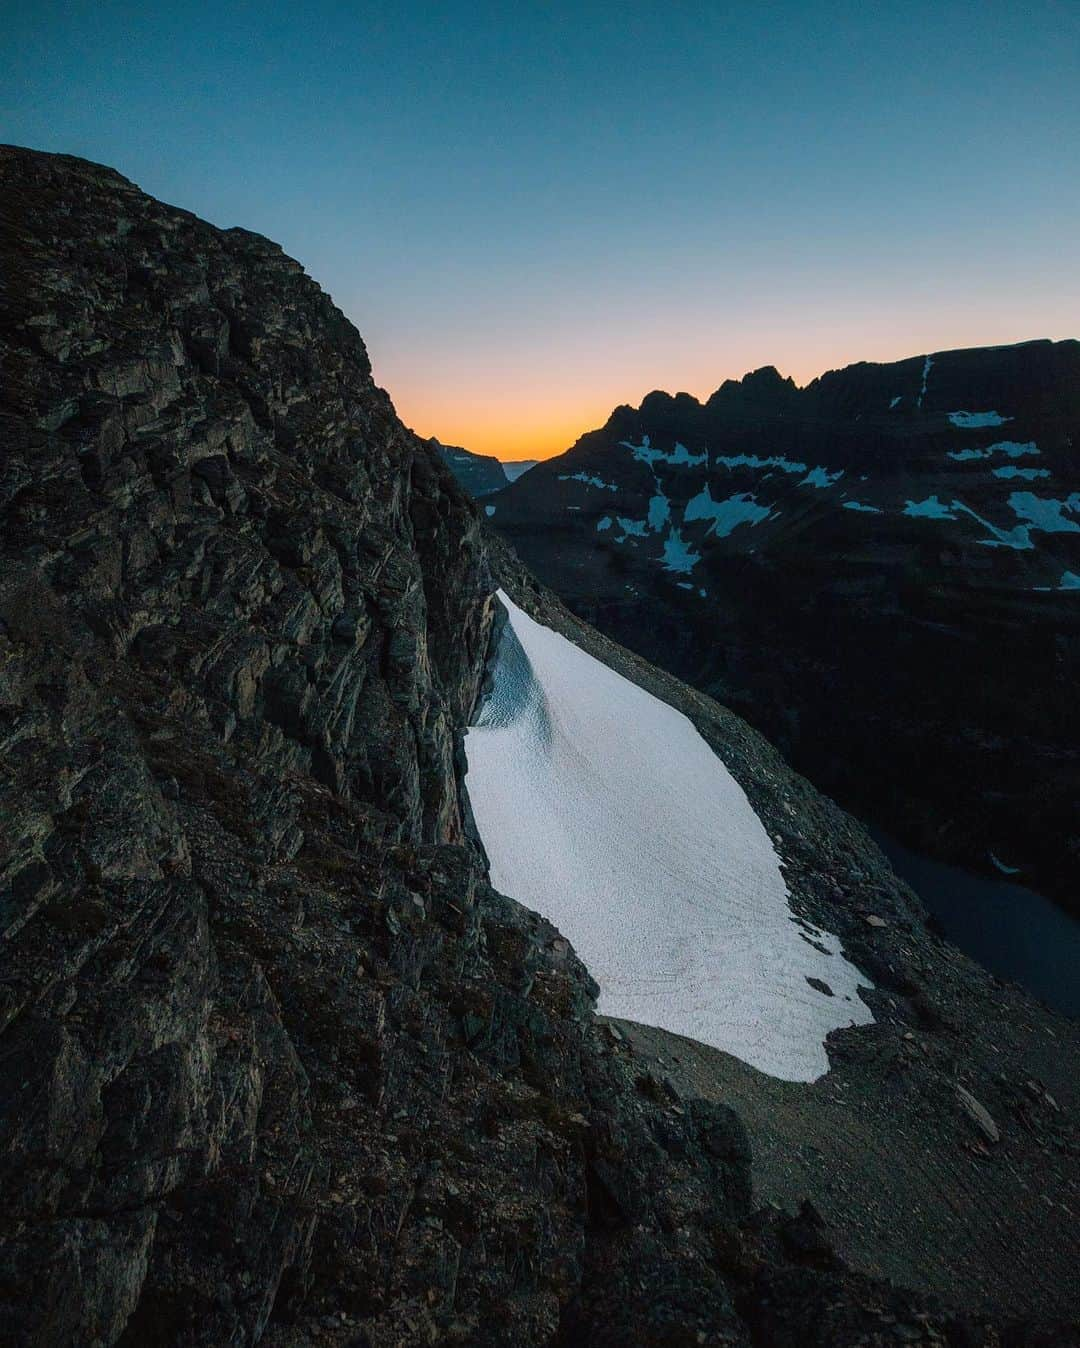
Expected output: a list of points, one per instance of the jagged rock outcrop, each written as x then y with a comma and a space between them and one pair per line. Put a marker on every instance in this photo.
276, 1064
881, 571
479, 474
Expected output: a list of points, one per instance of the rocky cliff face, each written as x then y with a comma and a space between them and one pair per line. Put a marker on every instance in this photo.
881, 571
276, 1063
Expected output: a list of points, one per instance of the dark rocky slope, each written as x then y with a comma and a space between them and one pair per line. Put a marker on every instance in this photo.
276, 1064
881, 571
479, 474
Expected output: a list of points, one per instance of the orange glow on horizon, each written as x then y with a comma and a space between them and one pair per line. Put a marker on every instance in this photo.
510, 438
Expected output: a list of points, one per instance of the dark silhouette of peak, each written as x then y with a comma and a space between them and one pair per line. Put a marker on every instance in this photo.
761, 390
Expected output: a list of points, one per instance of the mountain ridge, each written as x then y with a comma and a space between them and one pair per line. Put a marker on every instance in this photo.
878, 506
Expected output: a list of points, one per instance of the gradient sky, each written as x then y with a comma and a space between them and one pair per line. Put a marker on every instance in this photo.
534, 212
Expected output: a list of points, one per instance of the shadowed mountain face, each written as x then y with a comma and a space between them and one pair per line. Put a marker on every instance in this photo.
277, 1064
881, 571
479, 474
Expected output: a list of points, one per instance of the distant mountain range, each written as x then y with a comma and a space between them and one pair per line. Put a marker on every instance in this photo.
514, 468
880, 570
481, 474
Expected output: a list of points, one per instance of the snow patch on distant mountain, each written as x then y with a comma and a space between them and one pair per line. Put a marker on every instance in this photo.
1044, 514
755, 461
930, 509
973, 421
638, 528
858, 505
659, 510
821, 477
1011, 449
589, 481
680, 456
679, 556
927, 363
724, 515
1011, 470
603, 808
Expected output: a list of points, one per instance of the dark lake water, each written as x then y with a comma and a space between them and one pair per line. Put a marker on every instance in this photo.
1011, 930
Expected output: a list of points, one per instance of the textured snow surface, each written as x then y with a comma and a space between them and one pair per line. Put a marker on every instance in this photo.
603, 809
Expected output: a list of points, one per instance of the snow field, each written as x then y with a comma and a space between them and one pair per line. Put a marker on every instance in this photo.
602, 808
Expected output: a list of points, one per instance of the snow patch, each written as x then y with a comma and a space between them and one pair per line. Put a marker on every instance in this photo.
858, 505
659, 510
603, 524
603, 808
589, 481
1069, 581
1005, 870
927, 363
973, 421
930, 509
1045, 514
1017, 538
895, 402
683, 457
679, 556
725, 515
755, 461
1011, 449
680, 456
489, 511
1011, 470
821, 477
635, 527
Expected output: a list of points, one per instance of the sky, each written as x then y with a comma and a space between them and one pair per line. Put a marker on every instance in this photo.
535, 212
